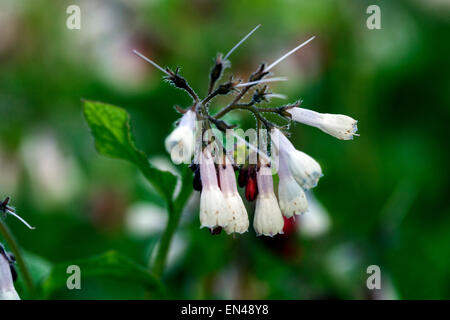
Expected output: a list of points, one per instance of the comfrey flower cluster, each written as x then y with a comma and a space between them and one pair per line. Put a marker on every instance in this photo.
197, 140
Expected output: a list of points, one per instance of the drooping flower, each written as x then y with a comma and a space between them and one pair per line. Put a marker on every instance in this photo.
180, 143
239, 223
214, 211
305, 170
340, 126
291, 196
268, 219
7, 290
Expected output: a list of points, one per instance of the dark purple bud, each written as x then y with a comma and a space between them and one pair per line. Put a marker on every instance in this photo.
243, 176
216, 231
197, 183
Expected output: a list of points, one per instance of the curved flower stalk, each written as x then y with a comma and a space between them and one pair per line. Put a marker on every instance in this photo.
340, 126
268, 219
7, 290
291, 196
180, 143
239, 223
214, 211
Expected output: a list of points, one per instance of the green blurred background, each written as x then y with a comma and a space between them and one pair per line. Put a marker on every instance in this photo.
384, 197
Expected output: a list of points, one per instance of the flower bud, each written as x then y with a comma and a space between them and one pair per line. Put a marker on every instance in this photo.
251, 189
197, 182
216, 231
216, 71
289, 226
243, 176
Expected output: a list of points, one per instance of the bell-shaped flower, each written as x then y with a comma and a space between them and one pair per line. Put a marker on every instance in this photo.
340, 126
7, 290
291, 197
239, 223
214, 210
305, 170
181, 142
268, 219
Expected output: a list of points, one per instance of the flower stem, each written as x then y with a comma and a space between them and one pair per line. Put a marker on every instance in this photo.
166, 239
12, 244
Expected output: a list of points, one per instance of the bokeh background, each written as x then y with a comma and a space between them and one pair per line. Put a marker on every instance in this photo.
384, 197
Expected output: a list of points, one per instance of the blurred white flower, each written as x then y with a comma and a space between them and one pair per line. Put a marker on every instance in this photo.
316, 221
9, 172
144, 219
344, 262
107, 39
55, 176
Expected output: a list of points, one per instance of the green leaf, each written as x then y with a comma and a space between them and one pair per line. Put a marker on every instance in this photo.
111, 265
110, 126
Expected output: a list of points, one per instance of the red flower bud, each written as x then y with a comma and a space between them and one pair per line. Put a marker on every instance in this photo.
289, 225
251, 189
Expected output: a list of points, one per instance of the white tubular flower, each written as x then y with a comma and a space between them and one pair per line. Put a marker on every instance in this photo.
239, 223
291, 196
305, 170
268, 219
338, 125
214, 211
180, 143
7, 290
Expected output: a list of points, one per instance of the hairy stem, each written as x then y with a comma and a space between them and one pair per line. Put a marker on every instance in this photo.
245, 106
12, 244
